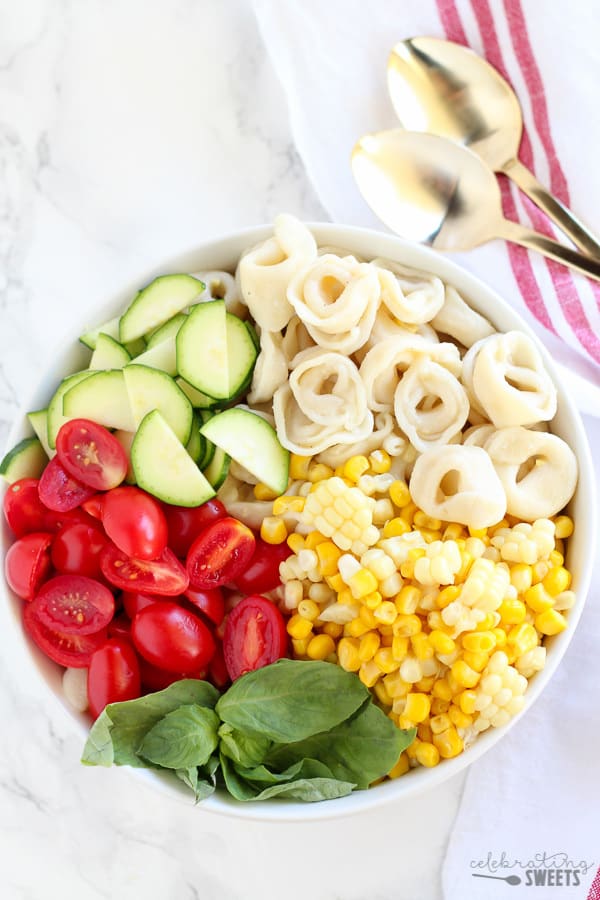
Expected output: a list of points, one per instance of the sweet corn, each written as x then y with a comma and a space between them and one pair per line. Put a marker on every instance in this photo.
421, 647
441, 642
447, 595
448, 743
335, 582
385, 661
563, 527
299, 466
369, 645
348, 655
557, 580
401, 767
425, 684
441, 690
295, 542
521, 577
333, 629
439, 707
464, 675
476, 659
298, 627
369, 673
556, 558
273, 530
287, 504
538, 599
550, 622
355, 467
308, 609
399, 494
512, 612
408, 599
300, 646
386, 612
380, 462
427, 754
313, 539
395, 527
399, 647
320, 647
263, 492
466, 701
523, 638
328, 555
368, 617
407, 625
356, 628
319, 472
500, 636
381, 692
423, 732
479, 641
458, 718
372, 600
439, 723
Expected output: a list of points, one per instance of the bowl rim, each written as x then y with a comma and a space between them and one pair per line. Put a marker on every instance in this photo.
483, 298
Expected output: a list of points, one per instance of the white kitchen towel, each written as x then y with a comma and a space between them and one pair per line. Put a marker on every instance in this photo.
331, 59
531, 808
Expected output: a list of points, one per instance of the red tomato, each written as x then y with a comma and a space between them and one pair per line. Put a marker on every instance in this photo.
93, 506
91, 454
170, 637
185, 524
133, 602
120, 627
262, 573
74, 650
59, 491
27, 563
56, 520
255, 636
23, 509
113, 675
76, 549
74, 604
217, 670
135, 522
220, 553
165, 575
155, 679
210, 602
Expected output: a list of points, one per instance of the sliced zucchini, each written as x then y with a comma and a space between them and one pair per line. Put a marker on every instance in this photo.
253, 443
150, 389
209, 452
110, 328
109, 353
241, 355
125, 438
160, 356
103, 398
166, 331
27, 459
196, 398
253, 334
196, 446
216, 471
163, 467
202, 349
56, 414
155, 304
38, 419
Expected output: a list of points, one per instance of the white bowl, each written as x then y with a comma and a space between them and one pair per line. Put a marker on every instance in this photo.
223, 253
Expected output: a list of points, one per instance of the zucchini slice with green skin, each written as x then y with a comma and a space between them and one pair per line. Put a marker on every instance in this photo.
253, 443
150, 389
108, 353
125, 438
103, 398
196, 398
38, 419
202, 349
196, 446
163, 467
216, 471
111, 329
160, 356
166, 331
205, 416
241, 355
56, 413
162, 299
27, 459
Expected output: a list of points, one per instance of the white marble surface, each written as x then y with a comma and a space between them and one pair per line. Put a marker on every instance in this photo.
129, 131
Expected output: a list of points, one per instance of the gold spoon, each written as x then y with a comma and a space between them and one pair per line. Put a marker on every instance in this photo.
428, 189
446, 89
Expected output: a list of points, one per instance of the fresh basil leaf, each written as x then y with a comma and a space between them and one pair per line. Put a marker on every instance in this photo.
302, 781
184, 737
237, 786
119, 730
292, 699
201, 787
304, 768
360, 749
310, 790
244, 749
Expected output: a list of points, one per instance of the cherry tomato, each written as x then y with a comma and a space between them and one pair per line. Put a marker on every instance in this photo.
113, 675
135, 522
120, 627
27, 563
165, 575
262, 573
23, 509
54, 521
73, 650
60, 491
209, 602
255, 635
76, 549
74, 604
170, 637
91, 454
134, 601
185, 524
93, 506
220, 553
217, 670
155, 679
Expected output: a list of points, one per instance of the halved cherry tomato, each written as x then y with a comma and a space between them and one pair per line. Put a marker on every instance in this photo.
60, 491
170, 637
120, 627
27, 563
165, 575
94, 505
54, 521
73, 650
220, 553
23, 509
74, 604
91, 454
217, 670
133, 601
185, 524
209, 602
262, 573
76, 549
135, 522
155, 679
255, 635
113, 675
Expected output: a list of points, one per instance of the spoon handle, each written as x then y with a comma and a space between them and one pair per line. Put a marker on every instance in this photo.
526, 181
518, 234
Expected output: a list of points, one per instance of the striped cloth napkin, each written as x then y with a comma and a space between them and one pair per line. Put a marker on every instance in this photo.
331, 59
538, 791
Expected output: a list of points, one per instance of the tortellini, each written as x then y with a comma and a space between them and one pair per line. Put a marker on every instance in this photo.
222, 286
459, 321
271, 369
411, 296
430, 405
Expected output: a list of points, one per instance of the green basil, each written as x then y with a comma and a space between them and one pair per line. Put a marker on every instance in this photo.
292, 699
183, 738
202, 787
244, 749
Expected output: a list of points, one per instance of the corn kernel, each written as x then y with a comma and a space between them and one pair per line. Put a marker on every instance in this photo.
298, 627
356, 628
556, 558
539, 570
372, 600
441, 690
369, 644
425, 684
407, 625
300, 646
521, 577
427, 754
448, 743
453, 531
347, 651
467, 562
263, 492
313, 539
386, 612
464, 675
273, 530
295, 542
421, 646
439, 707
355, 467
399, 494
458, 718
333, 629
401, 767
422, 520
563, 527
538, 599
319, 472
380, 462
362, 583
512, 612
369, 673
447, 596
320, 647
477, 660
299, 466
382, 695
395, 527
399, 647
328, 555
479, 641
439, 723
384, 659
500, 636
424, 732
489, 621
308, 609
557, 580
466, 701
523, 638
408, 599
285, 504
480, 533
368, 617
335, 582
550, 622
441, 642
345, 596
417, 707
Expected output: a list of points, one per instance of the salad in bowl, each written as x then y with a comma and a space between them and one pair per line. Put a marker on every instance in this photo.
306, 514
